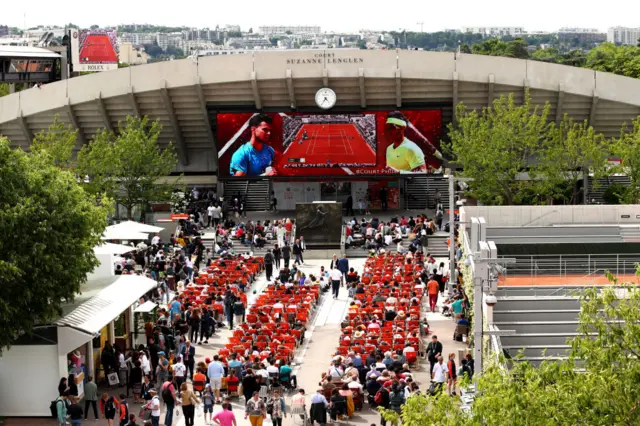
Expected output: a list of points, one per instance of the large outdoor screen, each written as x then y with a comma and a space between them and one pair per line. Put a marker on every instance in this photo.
297, 144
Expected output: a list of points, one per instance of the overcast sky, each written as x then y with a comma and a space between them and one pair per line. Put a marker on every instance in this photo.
331, 15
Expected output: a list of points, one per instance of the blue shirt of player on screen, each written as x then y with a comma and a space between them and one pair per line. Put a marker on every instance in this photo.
256, 157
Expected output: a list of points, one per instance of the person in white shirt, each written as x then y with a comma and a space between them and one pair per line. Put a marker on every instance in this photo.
215, 372
336, 276
155, 240
272, 369
388, 240
336, 371
439, 373
210, 211
354, 384
179, 370
154, 407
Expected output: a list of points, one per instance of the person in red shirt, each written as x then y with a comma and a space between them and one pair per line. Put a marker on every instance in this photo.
433, 288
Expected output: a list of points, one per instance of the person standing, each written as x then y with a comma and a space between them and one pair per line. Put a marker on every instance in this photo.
268, 264
439, 373
434, 350
433, 288
349, 205
91, 397
383, 198
188, 357
438, 198
280, 233
277, 255
286, 254
303, 247
335, 275
452, 376
210, 211
255, 410
124, 410
238, 311
179, 371
274, 201
75, 411
61, 408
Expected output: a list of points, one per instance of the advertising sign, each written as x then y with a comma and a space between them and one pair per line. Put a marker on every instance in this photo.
94, 50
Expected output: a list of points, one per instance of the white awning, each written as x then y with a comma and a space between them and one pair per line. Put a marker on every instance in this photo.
123, 234
146, 307
109, 248
91, 316
130, 225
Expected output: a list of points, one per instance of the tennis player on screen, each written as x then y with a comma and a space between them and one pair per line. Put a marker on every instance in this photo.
403, 155
256, 157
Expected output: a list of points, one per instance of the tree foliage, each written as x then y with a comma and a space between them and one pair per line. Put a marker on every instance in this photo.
516, 48
4, 89
622, 60
56, 144
627, 149
596, 385
569, 151
49, 228
494, 147
126, 166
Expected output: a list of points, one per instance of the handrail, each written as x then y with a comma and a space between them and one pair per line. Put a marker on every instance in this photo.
538, 218
343, 240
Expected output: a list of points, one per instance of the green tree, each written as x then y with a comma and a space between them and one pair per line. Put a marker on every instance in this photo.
517, 48
495, 146
49, 229
546, 55
127, 166
622, 60
627, 149
56, 144
595, 385
570, 150
4, 89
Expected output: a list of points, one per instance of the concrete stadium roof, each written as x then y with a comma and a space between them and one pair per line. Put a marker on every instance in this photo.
178, 92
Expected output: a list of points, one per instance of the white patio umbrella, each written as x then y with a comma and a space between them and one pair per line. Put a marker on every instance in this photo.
124, 234
130, 225
110, 248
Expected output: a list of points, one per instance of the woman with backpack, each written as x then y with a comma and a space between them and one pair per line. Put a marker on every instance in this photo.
108, 405
124, 410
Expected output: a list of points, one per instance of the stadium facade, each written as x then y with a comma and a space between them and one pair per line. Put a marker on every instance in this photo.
187, 96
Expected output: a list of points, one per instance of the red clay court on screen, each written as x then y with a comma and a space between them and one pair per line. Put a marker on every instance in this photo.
98, 49
327, 145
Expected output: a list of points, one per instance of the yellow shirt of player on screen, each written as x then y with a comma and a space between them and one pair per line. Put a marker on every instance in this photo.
406, 157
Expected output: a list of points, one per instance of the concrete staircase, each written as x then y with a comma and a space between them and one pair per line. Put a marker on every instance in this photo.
438, 246
597, 187
255, 193
420, 190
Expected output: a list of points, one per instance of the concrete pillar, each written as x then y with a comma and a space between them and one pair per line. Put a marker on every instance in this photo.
64, 67
12, 88
89, 361
112, 332
131, 324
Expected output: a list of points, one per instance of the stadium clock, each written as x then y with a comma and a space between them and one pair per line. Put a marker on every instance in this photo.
326, 98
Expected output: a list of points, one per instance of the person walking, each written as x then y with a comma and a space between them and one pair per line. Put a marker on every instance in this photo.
383, 198
268, 264
179, 371
225, 417
343, 266
277, 408
256, 410
215, 372
286, 254
335, 275
189, 402
349, 205
124, 410
154, 407
434, 350
303, 247
238, 311
297, 252
108, 406
91, 397
439, 374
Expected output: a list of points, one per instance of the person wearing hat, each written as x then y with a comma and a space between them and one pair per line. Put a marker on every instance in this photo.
403, 155
154, 407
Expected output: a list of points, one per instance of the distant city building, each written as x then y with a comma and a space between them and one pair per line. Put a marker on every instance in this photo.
273, 30
132, 55
232, 28
495, 31
582, 35
4, 30
623, 35
248, 43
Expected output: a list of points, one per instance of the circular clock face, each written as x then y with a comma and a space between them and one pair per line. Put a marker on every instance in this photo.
326, 98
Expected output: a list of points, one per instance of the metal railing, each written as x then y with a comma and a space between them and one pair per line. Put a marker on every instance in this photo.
572, 268
343, 239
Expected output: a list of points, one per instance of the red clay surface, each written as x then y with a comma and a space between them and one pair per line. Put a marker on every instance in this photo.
330, 144
566, 280
98, 49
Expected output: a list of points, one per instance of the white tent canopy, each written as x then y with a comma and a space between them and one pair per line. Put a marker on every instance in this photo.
109, 248
123, 234
130, 225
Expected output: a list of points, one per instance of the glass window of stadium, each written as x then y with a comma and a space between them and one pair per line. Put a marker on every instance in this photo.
335, 191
